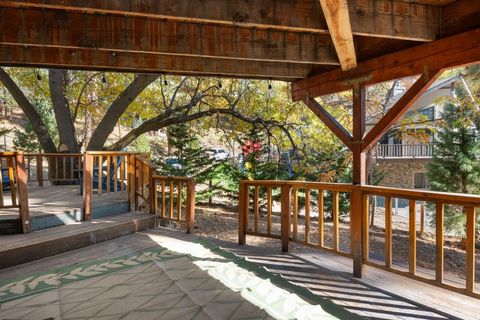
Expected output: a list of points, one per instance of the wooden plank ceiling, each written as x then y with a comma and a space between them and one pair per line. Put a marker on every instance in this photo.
269, 39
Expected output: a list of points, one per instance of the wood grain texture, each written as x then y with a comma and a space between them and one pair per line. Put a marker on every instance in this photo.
458, 50
338, 21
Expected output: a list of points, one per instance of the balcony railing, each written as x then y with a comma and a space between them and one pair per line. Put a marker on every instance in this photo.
393, 151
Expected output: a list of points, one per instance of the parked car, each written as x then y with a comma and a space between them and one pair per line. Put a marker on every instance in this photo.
173, 162
219, 154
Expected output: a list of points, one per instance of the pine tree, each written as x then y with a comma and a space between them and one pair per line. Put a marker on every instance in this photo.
191, 159
455, 166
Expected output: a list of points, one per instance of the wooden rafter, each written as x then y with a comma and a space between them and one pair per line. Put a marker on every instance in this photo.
338, 21
330, 121
392, 18
457, 50
400, 107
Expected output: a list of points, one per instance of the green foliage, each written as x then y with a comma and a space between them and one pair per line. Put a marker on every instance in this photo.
26, 139
455, 166
141, 144
193, 159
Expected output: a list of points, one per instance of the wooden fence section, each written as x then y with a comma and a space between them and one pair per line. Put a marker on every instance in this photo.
14, 181
54, 167
271, 209
106, 172
174, 199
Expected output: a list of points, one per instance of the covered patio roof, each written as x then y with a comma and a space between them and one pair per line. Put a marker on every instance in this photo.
279, 39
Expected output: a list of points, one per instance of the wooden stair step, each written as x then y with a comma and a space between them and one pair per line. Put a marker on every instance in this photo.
20, 248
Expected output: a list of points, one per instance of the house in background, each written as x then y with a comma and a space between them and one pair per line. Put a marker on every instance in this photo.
404, 151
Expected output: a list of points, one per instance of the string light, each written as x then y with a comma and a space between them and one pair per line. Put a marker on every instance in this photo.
269, 85
220, 84
104, 80
165, 82
39, 77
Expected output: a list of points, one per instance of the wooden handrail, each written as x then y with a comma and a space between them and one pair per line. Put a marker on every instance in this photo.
254, 192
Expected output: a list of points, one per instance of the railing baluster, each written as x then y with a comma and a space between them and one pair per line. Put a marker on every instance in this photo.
163, 199
412, 230
307, 215
39, 165
439, 216
295, 213
64, 164
11, 176
155, 197
56, 168
335, 217
109, 163
179, 201
365, 226
470, 248
115, 173
170, 214
286, 204
321, 216
269, 210
255, 210
242, 212
100, 174
388, 231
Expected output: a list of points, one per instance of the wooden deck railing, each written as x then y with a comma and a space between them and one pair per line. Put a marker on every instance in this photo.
14, 181
175, 193
259, 198
106, 172
54, 167
134, 173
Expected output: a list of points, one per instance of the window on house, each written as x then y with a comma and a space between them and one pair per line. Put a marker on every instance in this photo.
429, 113
420, 180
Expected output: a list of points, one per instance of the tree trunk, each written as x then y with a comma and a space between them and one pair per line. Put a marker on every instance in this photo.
116, 109
66, 129
29, 110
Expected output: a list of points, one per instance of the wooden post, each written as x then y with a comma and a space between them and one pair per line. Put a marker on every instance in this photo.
131, 181
357, 208
190, 216
286, 202
88, 185
22, 192
242, 213
40, 170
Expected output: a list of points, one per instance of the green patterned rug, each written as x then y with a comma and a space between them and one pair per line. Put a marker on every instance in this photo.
269, 292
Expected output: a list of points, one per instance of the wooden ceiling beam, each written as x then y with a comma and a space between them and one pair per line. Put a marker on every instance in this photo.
93, 59
377, 18
459, 16
457, 50
56, 28
338, 21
